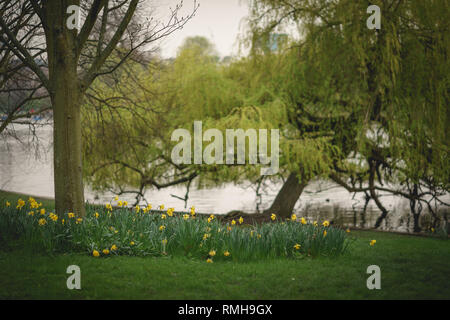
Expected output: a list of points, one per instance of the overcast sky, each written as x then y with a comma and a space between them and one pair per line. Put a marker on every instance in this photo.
218, 20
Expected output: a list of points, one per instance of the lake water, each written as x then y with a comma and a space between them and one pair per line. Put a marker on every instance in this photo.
28, 168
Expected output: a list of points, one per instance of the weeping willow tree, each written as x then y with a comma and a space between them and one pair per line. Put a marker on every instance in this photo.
380, 97
306, 154
132, 114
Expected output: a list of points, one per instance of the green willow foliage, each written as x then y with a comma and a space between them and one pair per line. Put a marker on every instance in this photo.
131, 115
381, 94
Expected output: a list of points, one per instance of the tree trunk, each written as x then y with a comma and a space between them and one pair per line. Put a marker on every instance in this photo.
287, 197
66, 100
415, 212
69, 194
374, 195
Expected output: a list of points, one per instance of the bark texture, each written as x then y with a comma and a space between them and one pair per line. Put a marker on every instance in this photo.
66, 96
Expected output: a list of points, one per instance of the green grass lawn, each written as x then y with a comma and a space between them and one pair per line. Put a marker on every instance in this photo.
412, 267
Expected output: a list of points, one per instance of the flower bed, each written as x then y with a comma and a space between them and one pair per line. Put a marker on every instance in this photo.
141, 231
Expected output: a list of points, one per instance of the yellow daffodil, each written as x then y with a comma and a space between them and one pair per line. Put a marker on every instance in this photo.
7, 203
209, 220
273, 216
161, 207
185, 216
53, 216
71, 215
78, 220
297, 246
42, 222
137, 208
326, 223
105, 251
42, 212
132, 243
161, 228
303, 220
258, 236
95, 253
348, 230
116, 198
294, 217
163, 216
120, 203
96, 215
233, 222
20, 204
31, 213
212, 253
108, 206
226, 253
206, 236
372, 242
113, 247
325, 233
125, 203
164, 241
315, 224
241, 220
209, 260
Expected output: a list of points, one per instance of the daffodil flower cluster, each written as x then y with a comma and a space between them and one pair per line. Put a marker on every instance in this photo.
138, 231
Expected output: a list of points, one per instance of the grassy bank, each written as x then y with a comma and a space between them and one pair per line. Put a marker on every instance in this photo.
411, 268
